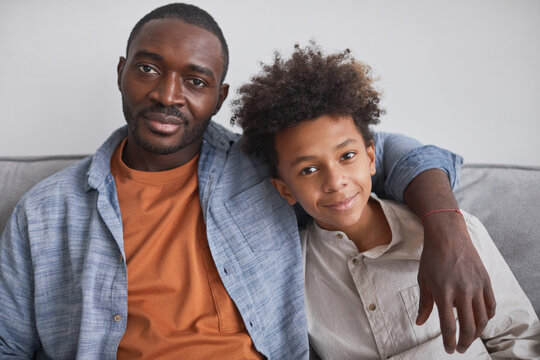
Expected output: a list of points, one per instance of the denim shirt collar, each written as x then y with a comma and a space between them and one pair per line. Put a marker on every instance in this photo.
215, 136
100, 167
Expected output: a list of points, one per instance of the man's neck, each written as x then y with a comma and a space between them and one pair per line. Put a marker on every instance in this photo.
139, 159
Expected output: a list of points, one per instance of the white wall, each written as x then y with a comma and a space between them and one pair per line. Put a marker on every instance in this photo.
464, 75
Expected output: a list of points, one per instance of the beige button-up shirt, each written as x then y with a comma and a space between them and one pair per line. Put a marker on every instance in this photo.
364, 305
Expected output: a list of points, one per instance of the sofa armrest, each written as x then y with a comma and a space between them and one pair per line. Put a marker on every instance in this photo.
506, 199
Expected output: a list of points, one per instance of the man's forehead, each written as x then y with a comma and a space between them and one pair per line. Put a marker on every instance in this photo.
179, 43
173, 32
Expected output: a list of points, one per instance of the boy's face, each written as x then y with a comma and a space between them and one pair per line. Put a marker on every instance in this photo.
325, 165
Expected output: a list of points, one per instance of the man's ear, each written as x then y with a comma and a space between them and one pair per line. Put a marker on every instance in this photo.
223, 92
119, 69
370, 150
283, 190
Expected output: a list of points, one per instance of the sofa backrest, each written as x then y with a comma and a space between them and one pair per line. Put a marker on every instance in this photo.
505, 198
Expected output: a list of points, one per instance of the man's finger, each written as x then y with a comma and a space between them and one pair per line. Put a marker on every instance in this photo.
489, 300
480, 314
467, 325
448, 325
425, 305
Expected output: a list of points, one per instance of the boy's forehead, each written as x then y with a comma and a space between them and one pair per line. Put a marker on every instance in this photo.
327, 132
323, 127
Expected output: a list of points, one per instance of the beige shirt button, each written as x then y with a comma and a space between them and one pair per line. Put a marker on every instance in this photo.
372, 307
339, 236
355, 261
117, 318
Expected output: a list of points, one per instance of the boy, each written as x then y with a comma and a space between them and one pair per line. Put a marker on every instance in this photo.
360, 251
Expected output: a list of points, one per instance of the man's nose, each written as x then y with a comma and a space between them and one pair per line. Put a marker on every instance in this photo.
169, 91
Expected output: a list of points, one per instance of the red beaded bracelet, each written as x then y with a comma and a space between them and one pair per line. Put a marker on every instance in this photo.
440, 210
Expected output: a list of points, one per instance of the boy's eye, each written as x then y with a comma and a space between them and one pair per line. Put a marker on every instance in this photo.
147, 69
308, 170
348, 155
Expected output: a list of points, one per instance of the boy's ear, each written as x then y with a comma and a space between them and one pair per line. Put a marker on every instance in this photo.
370, 150
283, 190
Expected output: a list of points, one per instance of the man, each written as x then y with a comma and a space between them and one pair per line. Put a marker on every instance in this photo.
169, 242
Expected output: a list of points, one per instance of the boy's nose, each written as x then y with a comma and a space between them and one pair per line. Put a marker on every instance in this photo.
335, 180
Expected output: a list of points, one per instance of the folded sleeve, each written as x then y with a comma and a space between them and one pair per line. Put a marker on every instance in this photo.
434, 349
399, 159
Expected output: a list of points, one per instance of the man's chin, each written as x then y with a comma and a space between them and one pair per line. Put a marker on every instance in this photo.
158, 144
161, 149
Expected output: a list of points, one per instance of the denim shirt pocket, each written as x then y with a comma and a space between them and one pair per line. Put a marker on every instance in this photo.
262, 216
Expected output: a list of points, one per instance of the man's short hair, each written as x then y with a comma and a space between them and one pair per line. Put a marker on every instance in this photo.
308, 85
189, 14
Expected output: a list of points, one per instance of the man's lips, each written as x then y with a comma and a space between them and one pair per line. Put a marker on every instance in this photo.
163, 123
342, 205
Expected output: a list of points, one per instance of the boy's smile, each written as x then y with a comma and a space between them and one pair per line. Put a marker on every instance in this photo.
344, 205
325, 165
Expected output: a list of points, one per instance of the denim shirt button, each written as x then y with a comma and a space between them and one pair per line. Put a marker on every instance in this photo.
117, 317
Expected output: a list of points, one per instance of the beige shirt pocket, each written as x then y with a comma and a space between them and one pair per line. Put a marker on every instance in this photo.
428, 335
431, 328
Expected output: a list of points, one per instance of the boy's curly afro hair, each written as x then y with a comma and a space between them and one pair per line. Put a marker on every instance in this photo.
306, 86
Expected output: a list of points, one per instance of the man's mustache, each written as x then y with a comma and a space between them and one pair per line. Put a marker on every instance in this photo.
167, 110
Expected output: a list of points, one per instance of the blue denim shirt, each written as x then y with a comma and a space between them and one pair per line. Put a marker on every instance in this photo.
63, 278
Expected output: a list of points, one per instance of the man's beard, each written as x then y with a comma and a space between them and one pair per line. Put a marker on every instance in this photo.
190, 135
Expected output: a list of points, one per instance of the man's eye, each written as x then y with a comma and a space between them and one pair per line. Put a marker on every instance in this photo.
197, 82
348, 155
308, 170
147, 69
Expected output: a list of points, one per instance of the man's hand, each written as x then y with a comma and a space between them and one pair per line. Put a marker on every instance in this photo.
451, 273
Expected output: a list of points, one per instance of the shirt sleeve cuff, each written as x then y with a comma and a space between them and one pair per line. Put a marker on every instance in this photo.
419, 160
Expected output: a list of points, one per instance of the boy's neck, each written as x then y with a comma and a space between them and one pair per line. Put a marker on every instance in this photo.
372, 229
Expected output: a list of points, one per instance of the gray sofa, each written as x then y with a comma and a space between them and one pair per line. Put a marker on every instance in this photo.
505, 198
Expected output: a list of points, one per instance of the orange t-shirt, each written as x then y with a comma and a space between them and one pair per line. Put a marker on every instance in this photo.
178, 307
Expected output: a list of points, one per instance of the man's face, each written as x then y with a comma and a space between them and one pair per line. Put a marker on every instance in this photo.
170, 85
325, 165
